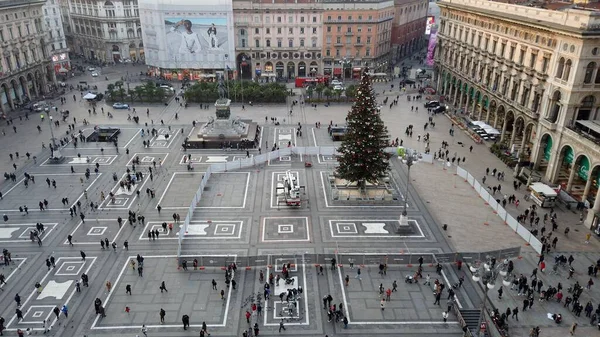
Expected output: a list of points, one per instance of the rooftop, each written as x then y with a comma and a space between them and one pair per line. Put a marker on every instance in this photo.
16, 3
582, 18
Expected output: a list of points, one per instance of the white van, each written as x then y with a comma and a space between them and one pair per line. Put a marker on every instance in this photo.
543, 195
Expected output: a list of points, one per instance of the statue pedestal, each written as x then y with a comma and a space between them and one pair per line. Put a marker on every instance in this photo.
224, 131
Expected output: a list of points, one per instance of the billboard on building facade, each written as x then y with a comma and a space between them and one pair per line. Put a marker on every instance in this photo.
431, 48
429, 24
197, 39
188, 34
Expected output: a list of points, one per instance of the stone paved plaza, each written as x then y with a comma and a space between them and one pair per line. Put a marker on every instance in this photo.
238, 218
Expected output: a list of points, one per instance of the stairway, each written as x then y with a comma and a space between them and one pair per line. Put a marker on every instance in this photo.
471, 318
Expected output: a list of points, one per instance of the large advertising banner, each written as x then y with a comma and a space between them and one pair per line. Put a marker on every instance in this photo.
196, 39
188, 34
429, 24
431, 48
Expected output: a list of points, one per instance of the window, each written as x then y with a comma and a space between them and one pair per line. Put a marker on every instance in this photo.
328, 17
242, 32
314, 43
328, 29
328, 39
338, 40
512, 53
267, 19
502, 48
339, 18
370, 17
589, 72
339, 29
279, 30
290, 19
521, 56
358, 39
52, 45
243, 43
279, 19
327, 52
1, 35
545, 62
349, 29
314, 30
494, 45
367, 52
268, 30
301, 42
301, 30
20, 32
561, 67
291, 43
359, 29
279, 43
256, 30
348, 40
291, 31
314, 19
337, 53
368, 40
268, 42
532, 60
360, 18
349, 17
257, 43
369, 27
301, 19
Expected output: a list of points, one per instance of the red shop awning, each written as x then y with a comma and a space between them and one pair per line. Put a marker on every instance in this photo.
337, 71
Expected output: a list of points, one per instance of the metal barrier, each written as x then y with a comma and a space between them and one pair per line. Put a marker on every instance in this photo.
346, 258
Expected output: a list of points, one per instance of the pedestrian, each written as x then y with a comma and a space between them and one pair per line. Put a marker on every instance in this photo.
128, 289
65, 310
500, 291
358, 273
162, 315
281, 326
248, 315
108, 286
214, 284
515, 313
144, 330
70, 239
18, 300
445, 316
382, 304
56, 311
185, 319
222, 294
573, 328
347, 280
163, 287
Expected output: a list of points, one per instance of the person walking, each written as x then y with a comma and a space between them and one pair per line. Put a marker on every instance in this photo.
248, 315
144, 330
223, 294
382, 304
572, 329
162, 315
347, 280
163, 287
128, 289
186, 321
281, 326
358, 274
214, 284
108, 286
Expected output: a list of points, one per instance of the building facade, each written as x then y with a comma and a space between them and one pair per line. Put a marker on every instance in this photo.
536, 81
56, 43
25, 71
104, 30
357, 34
408, 27
278, 39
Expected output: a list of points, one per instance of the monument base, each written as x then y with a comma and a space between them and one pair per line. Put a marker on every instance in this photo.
227, 138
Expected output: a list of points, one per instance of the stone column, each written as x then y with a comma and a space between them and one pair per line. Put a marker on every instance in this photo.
588, 186
532, 94
514, 134
571, 177
524, 138
595, 209
496, 118
504, 128
35, 87
27, 92
480, 111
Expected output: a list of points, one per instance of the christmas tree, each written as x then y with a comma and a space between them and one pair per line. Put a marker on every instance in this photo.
361, 156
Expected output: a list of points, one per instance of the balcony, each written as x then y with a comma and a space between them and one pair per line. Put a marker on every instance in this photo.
358, 44
349, 34
583, 137
547, 124
338, 44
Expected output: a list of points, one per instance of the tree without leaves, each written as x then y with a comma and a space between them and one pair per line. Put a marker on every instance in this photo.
362, 157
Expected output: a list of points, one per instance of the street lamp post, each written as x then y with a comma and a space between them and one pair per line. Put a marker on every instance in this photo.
242, 76
487, 274
54, 150
409, 163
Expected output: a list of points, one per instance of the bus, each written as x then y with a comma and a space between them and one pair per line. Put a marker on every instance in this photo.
302, 82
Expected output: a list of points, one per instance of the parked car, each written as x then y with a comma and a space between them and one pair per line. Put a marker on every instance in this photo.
120, 106
336, 82
432, 104
91, 69
94, 74
439, 109
338, 87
